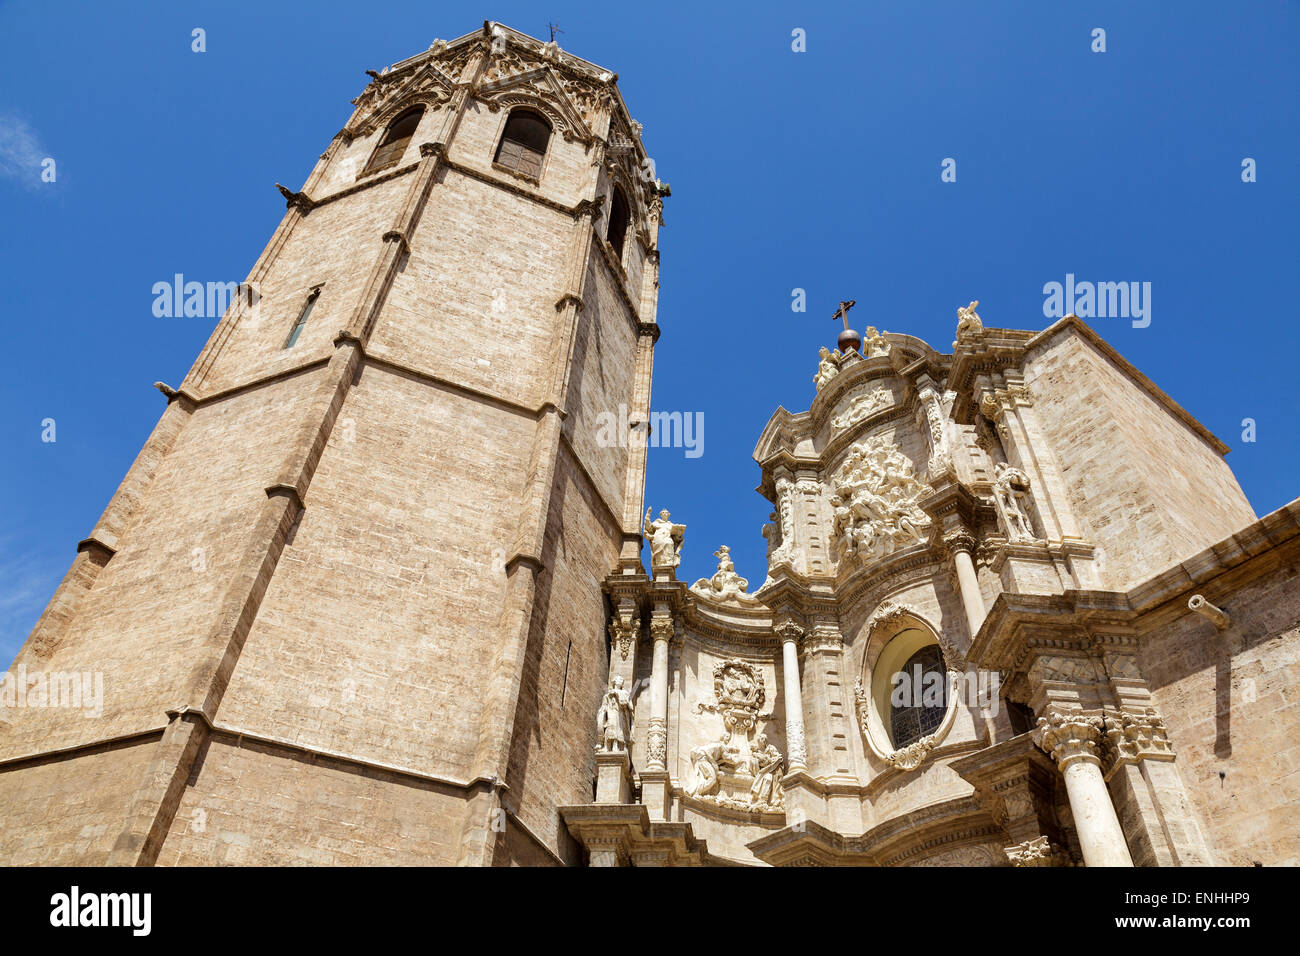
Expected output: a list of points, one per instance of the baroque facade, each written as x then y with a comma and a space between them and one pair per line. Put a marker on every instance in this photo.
1028, 531
1017, 609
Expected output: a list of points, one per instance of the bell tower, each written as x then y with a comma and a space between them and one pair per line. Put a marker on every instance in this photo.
346, 603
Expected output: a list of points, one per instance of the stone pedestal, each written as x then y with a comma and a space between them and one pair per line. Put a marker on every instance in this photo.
656, 793
613, 777
805, 799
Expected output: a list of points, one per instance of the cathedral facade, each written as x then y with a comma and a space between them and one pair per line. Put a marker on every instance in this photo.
376, 590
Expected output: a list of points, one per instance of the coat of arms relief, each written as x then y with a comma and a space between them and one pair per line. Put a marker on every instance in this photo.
740, 770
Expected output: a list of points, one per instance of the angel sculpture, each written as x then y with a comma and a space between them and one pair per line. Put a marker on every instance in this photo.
968, 319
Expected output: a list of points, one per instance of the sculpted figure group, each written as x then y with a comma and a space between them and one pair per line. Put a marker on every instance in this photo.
764, 763
875, 501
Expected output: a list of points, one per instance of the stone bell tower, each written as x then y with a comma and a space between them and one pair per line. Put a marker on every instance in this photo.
346, 603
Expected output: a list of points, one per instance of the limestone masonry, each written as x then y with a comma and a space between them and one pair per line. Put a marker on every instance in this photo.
376, 592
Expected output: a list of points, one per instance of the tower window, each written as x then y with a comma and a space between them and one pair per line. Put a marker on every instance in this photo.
393, 145
919, 709
618, 219
523, 144
302, 318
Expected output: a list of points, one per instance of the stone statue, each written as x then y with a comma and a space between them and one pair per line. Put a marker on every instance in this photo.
1010, 493
827, 367
968, 319
726, 584
875, 344
708, 762
766, 764
614, 719
665, 541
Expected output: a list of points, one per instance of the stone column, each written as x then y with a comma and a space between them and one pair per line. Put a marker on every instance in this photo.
661, 630
1072, 739
656, 782
960, 545
795, 741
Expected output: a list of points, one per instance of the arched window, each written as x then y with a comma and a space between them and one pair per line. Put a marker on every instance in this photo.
523, 144
618, 218
919, 700
393, 145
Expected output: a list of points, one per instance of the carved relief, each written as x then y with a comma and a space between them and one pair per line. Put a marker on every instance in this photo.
734, 771
862, 405
913, 755
384, 97
953, 657
875, 502
657, 743
784, 551
544, 80
1037, 852
726, 585
623, 628
1131, 737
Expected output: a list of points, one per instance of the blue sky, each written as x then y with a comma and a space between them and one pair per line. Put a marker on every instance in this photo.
817, 170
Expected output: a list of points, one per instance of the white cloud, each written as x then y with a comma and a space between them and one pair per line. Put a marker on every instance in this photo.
21, 152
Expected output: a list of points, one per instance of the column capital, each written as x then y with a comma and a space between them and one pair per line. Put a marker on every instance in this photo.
959, 541
825, 638
1069, 736
1132, 737
1039, 852
789, 632
662, 626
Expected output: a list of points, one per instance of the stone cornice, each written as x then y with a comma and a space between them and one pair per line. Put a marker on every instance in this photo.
1089, 621
921, 833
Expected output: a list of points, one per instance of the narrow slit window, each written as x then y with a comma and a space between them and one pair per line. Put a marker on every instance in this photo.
618, 218
393, 145
302, 319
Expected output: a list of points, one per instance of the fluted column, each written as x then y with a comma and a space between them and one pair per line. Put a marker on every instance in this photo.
661, 631
1072, 740
960, 545
795, 740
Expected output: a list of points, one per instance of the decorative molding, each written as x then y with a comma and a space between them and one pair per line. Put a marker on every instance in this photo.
1070, 736
1037, 852
726, 586
862, 405
623, 627
1132, 737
